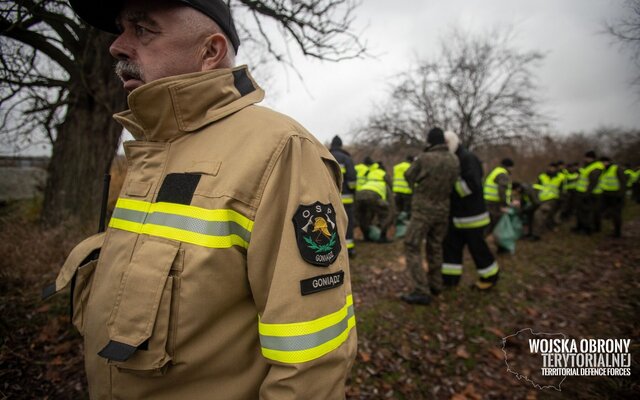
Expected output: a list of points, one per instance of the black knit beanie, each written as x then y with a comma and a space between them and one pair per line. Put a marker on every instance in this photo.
435, 136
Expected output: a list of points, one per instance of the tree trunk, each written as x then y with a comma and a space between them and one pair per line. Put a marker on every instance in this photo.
86, 141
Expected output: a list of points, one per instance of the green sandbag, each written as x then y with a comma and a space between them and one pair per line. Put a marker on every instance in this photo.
374, 233
508, 231
516, 223
401, 230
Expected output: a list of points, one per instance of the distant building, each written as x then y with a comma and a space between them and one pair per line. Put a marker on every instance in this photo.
22, 177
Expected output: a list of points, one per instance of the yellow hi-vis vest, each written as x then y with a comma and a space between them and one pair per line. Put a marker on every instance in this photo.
550, 189
632, 177
583, 181
361, 173
572, 180
609, 181
400, 184
491, 187
376, 183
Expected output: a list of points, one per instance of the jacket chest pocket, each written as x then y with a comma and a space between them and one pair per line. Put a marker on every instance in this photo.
143, 318
208, 184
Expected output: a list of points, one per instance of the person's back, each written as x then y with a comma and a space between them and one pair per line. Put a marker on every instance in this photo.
432, 175
438, 171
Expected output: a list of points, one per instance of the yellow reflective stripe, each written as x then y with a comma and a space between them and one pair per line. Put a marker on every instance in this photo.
476, 221
301, 356
315, 329
307, 327
125, 225
462, 188
451, 269
489, 271
347, 199
135, 205
203, 216
218, 242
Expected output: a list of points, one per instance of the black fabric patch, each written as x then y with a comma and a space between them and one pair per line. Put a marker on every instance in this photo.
144, 346
117, 351
242, 82
48, 291
321, 282
178, 188
317, 233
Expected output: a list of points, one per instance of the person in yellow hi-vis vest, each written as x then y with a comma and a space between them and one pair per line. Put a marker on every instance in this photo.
401, 189
373, 203
497, 192
588, 195
361, 172
223, 273
550, 185
613, 183
571, 181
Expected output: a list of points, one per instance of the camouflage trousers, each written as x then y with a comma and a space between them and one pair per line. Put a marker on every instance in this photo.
432, 226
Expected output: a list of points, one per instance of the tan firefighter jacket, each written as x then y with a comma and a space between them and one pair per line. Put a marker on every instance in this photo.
224, 271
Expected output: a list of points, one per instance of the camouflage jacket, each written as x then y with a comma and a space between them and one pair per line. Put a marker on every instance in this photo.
432, 176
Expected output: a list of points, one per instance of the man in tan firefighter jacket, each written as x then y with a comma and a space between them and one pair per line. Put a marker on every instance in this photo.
224, 272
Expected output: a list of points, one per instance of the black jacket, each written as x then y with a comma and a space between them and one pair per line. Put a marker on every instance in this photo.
348, 171
471, 173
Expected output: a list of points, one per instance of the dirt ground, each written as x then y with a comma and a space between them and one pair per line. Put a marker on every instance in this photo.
581, 286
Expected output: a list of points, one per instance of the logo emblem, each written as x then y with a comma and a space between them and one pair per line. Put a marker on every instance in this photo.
317, 233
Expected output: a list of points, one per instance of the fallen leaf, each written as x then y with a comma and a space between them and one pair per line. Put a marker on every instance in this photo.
366, 357
496, 332
498, 354
462, 352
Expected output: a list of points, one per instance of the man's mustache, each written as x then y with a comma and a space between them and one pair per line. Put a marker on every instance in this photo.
128, 70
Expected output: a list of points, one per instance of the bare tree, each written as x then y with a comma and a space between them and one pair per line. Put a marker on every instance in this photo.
626, 31
57, 82
478, 86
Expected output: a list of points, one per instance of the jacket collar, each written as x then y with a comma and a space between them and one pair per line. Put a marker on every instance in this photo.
438, 147
177, 105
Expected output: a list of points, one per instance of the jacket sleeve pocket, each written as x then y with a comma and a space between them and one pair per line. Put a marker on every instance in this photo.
77, 273
140, 322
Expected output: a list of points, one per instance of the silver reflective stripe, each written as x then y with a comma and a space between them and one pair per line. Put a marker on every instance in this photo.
212, 228
452, 267
129, 215
469, 220
462, 188
489, 271
305, 342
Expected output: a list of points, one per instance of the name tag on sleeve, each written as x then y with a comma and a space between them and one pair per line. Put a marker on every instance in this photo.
321, 282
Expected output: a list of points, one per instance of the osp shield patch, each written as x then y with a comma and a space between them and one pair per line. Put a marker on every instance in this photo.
317, 233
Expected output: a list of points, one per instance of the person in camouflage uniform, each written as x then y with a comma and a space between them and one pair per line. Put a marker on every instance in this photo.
432, 176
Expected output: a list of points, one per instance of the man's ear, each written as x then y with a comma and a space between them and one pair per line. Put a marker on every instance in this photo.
215, 52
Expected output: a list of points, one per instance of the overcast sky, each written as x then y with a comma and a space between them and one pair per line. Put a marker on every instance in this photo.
584, 79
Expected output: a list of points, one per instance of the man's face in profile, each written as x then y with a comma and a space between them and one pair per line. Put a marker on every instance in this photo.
155, 42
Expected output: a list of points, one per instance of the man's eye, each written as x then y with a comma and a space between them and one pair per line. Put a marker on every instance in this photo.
141, 30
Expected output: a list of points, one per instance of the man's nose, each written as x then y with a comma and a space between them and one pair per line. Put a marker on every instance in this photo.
120, 49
